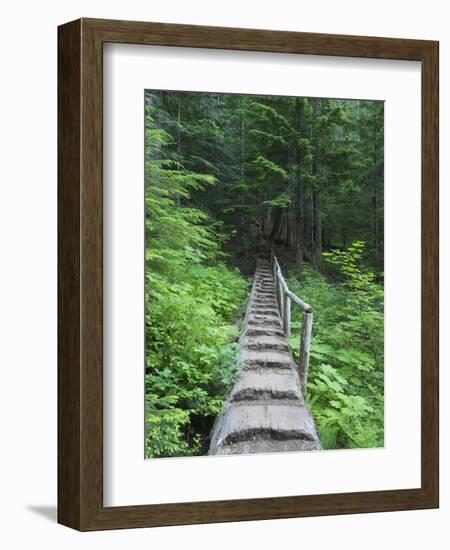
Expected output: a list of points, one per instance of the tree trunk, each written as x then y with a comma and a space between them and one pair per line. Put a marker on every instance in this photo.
242, 147
299, 214
280, 236
316, 222
375, 196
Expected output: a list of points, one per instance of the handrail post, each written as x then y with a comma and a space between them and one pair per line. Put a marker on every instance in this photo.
281, 299
305, 344
275, 283
284, 297
287, 316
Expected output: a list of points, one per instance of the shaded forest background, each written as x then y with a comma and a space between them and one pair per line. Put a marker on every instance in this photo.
227, 177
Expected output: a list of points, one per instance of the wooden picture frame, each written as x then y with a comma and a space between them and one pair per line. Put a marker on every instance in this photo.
80, 271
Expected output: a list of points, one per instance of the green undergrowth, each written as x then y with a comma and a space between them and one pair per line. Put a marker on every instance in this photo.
345, 388
193, 301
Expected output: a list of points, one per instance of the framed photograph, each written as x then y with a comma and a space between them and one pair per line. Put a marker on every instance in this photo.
248, 274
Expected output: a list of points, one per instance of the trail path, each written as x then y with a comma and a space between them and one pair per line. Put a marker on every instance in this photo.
265, 411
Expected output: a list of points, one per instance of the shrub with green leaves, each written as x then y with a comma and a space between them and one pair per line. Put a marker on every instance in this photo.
192, 302
346, 375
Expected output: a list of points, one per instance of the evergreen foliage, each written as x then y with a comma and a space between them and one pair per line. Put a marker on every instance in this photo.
192, 299
226, 177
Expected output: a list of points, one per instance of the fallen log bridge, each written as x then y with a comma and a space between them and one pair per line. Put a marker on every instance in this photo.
265, 411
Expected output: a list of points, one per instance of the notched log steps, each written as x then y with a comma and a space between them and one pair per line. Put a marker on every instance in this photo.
265, 411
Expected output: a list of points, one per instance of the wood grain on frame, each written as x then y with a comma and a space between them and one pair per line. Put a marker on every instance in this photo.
80, 264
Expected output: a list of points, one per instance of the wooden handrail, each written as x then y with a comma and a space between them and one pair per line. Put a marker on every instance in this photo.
284, 298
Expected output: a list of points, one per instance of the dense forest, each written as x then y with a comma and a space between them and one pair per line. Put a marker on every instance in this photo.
227, 178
